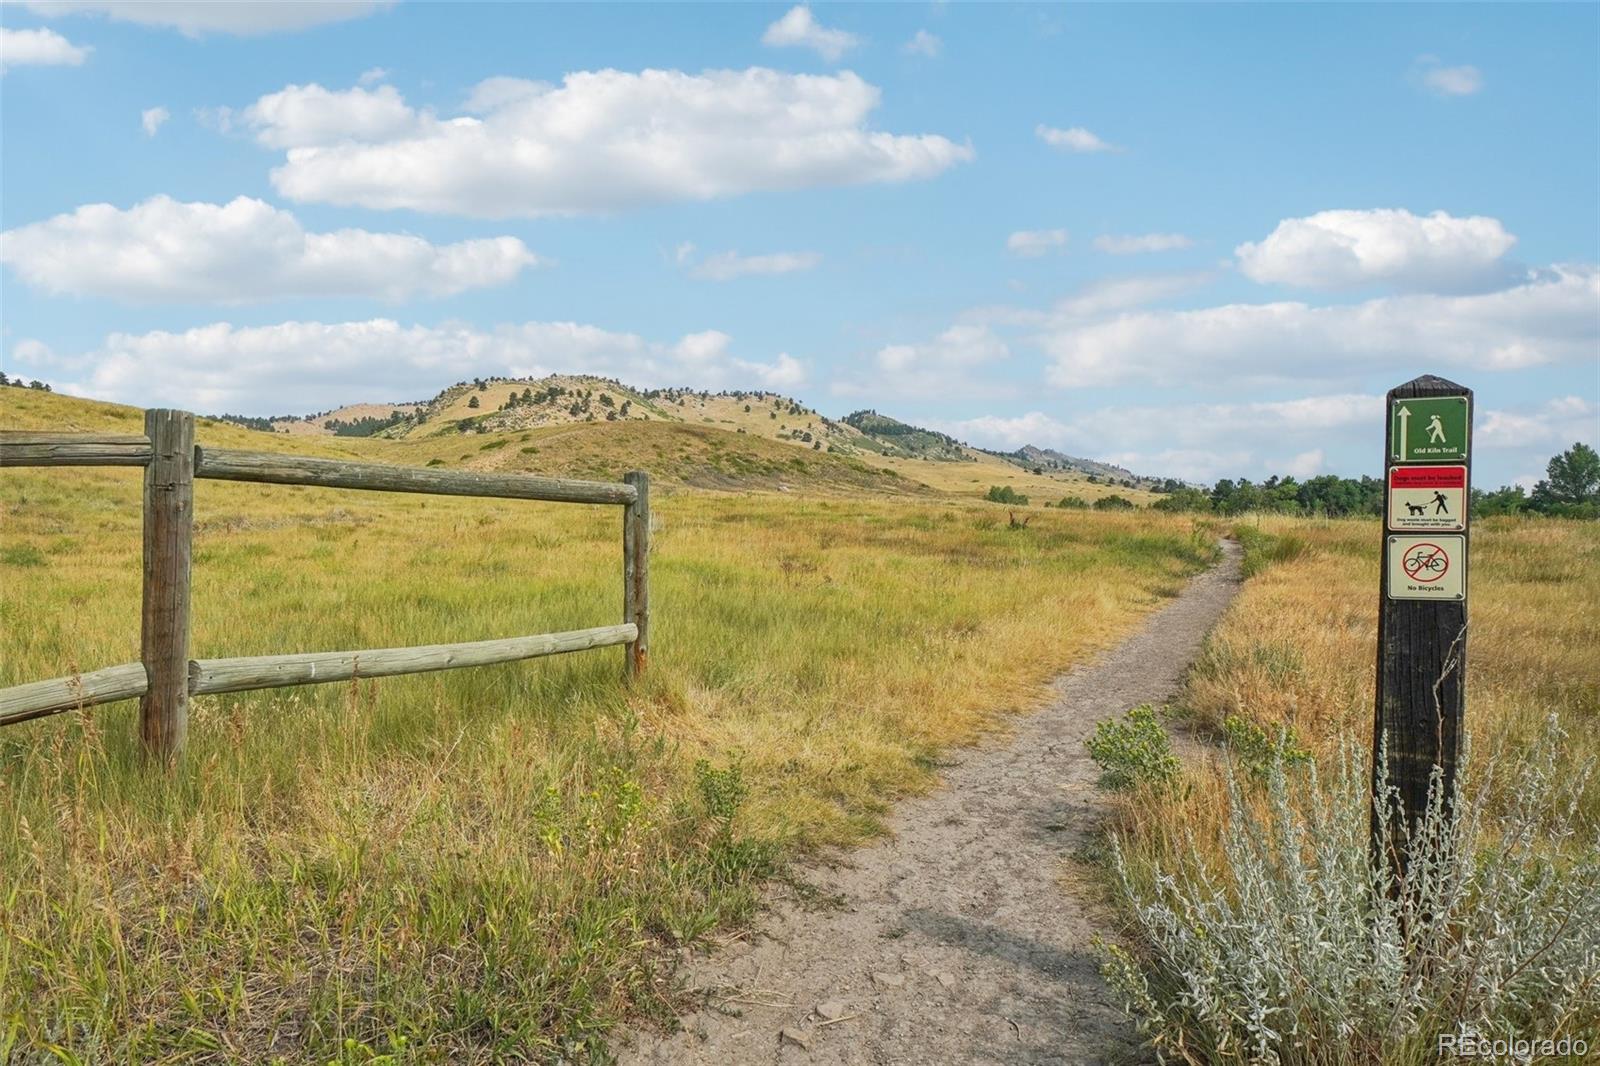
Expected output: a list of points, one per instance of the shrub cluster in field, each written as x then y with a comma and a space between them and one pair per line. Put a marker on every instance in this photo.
1267, 931
1308, 949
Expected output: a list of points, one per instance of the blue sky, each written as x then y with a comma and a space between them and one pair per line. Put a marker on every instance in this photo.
1201, 241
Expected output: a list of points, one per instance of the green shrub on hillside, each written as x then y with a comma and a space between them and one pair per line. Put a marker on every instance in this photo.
1005, 494
1113, 503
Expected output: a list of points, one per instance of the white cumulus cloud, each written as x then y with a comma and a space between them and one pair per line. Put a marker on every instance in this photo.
725, 266
1548, 318
1344, 249
1447, 81
38, 48
955, 362
923, 43
1031, 244
600, 141
163, 250
1547, 427
1075, 139
1193, 441
309, 116
1134, 244
195, 18
798, 28
303, 366
151, 119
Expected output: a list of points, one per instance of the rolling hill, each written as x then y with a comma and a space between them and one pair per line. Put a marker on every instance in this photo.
581, 426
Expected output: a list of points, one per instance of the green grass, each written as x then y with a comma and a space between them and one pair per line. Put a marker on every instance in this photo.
490, 863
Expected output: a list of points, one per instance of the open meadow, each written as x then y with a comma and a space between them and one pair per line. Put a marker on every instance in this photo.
1291, 666
459, 866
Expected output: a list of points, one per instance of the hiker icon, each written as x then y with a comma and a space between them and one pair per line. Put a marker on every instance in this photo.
1435, 430
1439, 504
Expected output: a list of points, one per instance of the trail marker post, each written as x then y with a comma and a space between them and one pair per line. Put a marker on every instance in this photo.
1422, 602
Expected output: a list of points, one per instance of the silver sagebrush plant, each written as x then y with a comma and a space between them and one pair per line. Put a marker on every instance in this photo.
1310, 952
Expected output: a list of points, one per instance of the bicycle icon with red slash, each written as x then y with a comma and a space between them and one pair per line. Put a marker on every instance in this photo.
1426, 562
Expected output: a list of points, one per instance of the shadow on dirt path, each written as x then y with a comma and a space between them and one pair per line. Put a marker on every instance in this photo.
958, 939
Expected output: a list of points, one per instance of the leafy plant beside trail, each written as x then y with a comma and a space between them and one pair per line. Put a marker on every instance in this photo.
1304, 948
1134, 751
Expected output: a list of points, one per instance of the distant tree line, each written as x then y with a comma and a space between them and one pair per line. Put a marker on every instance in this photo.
365, 427
18, 383
1571, 489
249, 422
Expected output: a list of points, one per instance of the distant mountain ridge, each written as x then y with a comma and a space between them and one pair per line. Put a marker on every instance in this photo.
1032, 458
495, 404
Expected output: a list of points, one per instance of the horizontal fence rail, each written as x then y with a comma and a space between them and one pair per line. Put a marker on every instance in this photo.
73, 449
23, 702
319, 667
228, 465
165, 677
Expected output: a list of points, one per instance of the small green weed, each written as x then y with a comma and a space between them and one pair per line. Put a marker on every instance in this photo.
1257, 752
1134, 751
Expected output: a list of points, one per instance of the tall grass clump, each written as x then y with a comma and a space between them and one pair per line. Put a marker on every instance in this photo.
1286, 940
1263, 548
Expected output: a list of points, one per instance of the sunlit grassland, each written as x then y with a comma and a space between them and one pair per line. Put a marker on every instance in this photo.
487, 862
1298, 647
1294, 657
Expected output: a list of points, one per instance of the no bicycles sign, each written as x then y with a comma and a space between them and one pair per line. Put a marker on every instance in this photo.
1427, 568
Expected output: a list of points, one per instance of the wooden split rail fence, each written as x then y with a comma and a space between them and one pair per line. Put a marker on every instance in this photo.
165, 677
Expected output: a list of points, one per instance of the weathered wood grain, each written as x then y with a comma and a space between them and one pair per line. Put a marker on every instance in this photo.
168, 550
636, 570
23, 702
230, 465
1421, 669
314, 668
28, 448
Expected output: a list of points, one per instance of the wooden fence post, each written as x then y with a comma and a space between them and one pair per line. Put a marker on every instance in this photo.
1422, 602
168, 549
636, 570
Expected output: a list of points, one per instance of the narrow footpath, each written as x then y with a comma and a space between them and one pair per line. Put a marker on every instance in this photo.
959, 939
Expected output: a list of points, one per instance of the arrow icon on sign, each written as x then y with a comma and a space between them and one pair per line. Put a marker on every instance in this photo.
1404, 415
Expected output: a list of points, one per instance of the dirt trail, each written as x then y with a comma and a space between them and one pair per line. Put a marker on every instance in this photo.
958, 941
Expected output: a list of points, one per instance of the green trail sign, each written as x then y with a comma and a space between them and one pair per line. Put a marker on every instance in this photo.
1428, 430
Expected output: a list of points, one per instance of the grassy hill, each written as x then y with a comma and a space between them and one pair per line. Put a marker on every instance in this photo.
890, 436
674, 452
723, 447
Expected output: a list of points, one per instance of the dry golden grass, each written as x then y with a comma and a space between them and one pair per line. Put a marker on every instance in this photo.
1297, 649
1298, 646
488, 863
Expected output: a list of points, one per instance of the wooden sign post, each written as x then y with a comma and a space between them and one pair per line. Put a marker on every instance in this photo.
1422, 604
